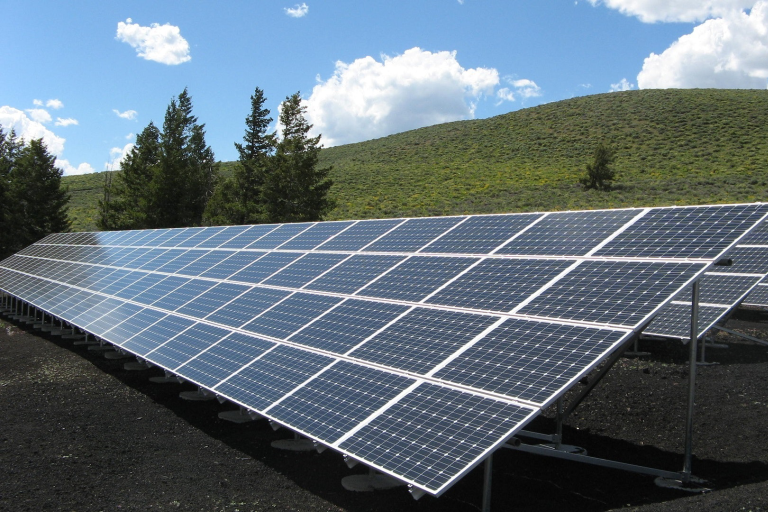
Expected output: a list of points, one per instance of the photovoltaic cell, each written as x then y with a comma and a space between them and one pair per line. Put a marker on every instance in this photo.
222, 236
347, 325
315, 236
529, 360
612, 292
413, 234
247, 306
354, 273
758, 296
290, 315
499, 284
304, 270
211, 300
481, 234
183, 294
204, 263
338, 399
271, 376
265, 267
422, 339
156, 334
223, 359
186, 345
416, 278
434, 433
747, 260
122, 332
675, 320
358, 236
233, 264
279, 235
181, 261
683, 232
569, 233
248, 237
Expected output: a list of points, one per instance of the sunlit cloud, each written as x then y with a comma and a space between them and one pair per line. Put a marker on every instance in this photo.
128, 114
299, 11
158, 43
66, 122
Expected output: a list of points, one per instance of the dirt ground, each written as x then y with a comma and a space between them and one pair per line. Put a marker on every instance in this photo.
80, 433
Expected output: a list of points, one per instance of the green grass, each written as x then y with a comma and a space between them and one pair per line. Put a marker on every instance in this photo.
672, 147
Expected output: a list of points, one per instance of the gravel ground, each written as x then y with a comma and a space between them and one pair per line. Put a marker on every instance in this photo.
80, 433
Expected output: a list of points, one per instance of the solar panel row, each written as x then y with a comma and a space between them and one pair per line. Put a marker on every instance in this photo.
417, 346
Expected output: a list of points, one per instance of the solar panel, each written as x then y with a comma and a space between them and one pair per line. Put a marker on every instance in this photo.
721, 290
417, 346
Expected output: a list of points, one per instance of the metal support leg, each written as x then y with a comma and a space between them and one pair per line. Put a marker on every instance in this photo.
487, 477
691, 382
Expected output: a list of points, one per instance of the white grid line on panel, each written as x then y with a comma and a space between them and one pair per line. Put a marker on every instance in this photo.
546, 287
441, 235
619, 231
403, 221
519, 234
297, 234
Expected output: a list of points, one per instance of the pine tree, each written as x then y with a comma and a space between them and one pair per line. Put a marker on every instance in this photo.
599, 174
9, 151
39, 202
237, 199
294, 189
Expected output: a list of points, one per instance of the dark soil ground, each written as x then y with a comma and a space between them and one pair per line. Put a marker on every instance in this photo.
80, 433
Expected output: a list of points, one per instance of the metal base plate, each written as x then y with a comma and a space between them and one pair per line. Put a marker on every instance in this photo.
164, 380
567, 448
136, 366
116, 354
294, 445
238, 416
195, 396
370, 483
670, 483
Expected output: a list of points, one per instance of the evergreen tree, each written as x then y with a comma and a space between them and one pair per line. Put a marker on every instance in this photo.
167, 178
237, 199
599, 173
294, 189
9, 150
39, 204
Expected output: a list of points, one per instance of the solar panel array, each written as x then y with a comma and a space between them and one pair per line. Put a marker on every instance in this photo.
721, 290
416, 346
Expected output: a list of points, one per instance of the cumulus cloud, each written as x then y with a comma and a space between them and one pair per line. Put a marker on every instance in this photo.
54, 104
66, 122
116, 157
726, 52
526, 88
368, 98
28, 128
70, 169
650, 11
128, 114
623, 85
159, 43
39, 115
299, 11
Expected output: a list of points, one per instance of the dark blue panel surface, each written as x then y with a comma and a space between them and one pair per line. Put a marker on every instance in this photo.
186, 345
413, 234
358, 236
329, 405
481, 234
612, 292
499, 284
125, 330
212, 300
354, 273
236, 262
248, 237
291, 314
225, 358
416, 278
223, 236
247, 306
184, 294
304, 270
181, 261
117, 316
279, 236
347, 325
433, 434
157, 334
271, 376
315, 236
265, 267
529, 360
204, 263
422, 339
160, 289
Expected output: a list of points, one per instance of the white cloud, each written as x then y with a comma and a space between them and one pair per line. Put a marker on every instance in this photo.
37, 103
368, 99
159, 43
504, 94
128, 114
28, 128
39, 115
650, 11
54, 104
70, 170
526, 88
623, 85
299, 11
727, 52
116, 157
130, 136
66, 122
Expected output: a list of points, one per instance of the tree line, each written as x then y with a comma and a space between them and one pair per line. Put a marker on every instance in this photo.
171, 179
32, 202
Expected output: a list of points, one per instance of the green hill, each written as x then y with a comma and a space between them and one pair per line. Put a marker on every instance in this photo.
672, 147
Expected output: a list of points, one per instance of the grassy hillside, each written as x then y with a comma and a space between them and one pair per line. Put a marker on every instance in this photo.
673, 147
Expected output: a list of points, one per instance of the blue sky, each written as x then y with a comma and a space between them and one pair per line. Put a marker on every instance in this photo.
87, 76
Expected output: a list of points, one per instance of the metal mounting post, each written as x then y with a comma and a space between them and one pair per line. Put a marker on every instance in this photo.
691, 381
487, 477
